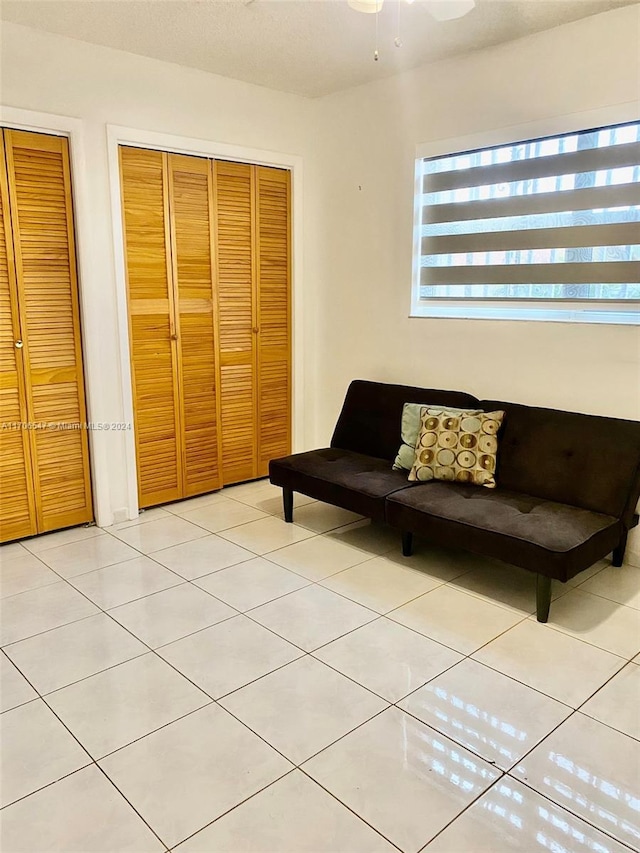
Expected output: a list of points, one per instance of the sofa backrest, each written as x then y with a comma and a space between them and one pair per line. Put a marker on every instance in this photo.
583, 460
372, 411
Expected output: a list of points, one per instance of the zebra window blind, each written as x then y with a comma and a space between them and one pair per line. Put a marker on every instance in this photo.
556, 218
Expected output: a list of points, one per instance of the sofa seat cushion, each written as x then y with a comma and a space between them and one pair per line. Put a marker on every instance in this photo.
351, 480
537, 534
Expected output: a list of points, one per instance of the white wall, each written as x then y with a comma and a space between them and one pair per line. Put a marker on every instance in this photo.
368, 154
100, 86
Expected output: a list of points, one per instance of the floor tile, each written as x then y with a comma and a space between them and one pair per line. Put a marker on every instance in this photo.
317, 558
171, 614
253, 492
229, 655
369, 536
159, 534
597, 620
22, 573
293, 815
455, 618
618, 703
125, 582
266, 535
303, 707
72, 652
222, 515
621, 584
312, 616
144, 516
76, 558
14, 688
11, 551
36, 750
119, 705
592, 771
405, 779
180, 507
511, 817
551, 662
381, 584
388, 658
321, 517
41, 610
251, 584
506, 585
584, 575
38, 544
82, 813
185, 775
497, 718
274, 506
441, 563
200, 557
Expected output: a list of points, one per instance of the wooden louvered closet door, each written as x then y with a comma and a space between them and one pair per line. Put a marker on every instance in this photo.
166, 201
145, 206
207, 251
254, 305
235, 250
274, 316
17, 502
191, 203
39, 192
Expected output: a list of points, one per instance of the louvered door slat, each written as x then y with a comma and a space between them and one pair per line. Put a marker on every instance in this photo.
273, 297
17, 505
153, 352
191, 221
234, 212
42, 222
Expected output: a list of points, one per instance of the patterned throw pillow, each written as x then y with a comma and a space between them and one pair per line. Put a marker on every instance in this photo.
457, 447
410, 429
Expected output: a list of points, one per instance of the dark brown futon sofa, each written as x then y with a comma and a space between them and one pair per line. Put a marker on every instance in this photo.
567, 483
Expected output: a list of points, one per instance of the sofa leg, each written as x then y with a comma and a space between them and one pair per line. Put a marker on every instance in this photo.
543, 597
287, 503
618, 553
407, 544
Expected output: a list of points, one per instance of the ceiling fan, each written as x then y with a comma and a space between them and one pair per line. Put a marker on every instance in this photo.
441, 10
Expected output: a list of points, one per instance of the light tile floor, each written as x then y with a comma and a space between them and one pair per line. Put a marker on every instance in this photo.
208, 678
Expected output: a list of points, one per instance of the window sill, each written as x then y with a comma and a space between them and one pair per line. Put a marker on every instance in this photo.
618, 317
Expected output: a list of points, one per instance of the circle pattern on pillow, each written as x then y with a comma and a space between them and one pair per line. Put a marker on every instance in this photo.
462, 449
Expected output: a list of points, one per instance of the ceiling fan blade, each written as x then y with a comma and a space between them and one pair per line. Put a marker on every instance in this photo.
449, 10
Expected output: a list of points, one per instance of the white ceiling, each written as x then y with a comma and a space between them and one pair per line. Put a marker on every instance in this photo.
310, 47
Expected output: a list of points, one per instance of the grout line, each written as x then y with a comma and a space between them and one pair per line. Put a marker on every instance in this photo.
91, 762
241, 803
304, 653
607, 725
465, 809
346, 806
567, 809
181, 674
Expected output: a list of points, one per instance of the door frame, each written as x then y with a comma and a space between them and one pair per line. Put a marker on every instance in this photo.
118, 135
90, 320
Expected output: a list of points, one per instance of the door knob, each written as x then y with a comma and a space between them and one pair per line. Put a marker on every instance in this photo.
19, 344
255, 330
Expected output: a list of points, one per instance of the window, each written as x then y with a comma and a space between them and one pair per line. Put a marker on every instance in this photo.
543, 229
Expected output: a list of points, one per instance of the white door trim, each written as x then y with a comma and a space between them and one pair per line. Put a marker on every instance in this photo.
73, 129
